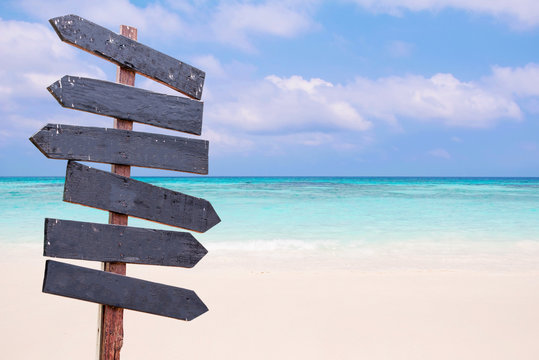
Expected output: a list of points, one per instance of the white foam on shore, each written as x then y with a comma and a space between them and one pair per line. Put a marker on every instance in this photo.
425, 255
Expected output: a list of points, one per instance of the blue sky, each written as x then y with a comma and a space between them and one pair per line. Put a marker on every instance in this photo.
351, 88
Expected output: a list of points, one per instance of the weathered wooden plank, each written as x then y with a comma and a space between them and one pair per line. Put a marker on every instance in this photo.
103, 242
129, 103
104, 190
113, 146
131, 54
121, 291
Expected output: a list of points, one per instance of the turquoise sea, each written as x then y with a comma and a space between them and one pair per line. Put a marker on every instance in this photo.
323, 214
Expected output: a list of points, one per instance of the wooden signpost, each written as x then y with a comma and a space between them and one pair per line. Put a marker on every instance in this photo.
129, 103
57, 141
130, 54
116, 244
103, 190
121, 291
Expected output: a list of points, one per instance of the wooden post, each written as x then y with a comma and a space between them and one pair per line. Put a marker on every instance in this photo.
111, 332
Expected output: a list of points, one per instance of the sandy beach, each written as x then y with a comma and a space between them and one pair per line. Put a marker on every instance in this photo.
271, 309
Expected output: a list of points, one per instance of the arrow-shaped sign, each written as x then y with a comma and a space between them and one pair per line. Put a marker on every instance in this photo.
124, 147
121, 291
115, 243
103, 190
129, 103
130, 54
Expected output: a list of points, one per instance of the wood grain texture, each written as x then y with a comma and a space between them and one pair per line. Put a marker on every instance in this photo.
102, 242
121, 291
129, 103
130, 54
113, 146
104, 190
110, 331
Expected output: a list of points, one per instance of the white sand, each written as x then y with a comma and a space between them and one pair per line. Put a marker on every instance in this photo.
269, 310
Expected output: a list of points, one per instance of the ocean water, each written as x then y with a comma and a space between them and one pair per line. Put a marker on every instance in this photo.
365, 216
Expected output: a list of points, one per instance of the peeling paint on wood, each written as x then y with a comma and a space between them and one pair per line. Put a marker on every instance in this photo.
103, 242
103, 190
129, 53
113, 146
129, 103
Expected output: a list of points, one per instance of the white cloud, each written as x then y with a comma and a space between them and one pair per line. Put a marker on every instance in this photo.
400, 49
32, 58
519, 13
185, 6
298, 83
230, 23
521, 81
210, 64
440, 153
19, 128
307, 138
233, 23
441, 98
278, 105
224, 141
151, 21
